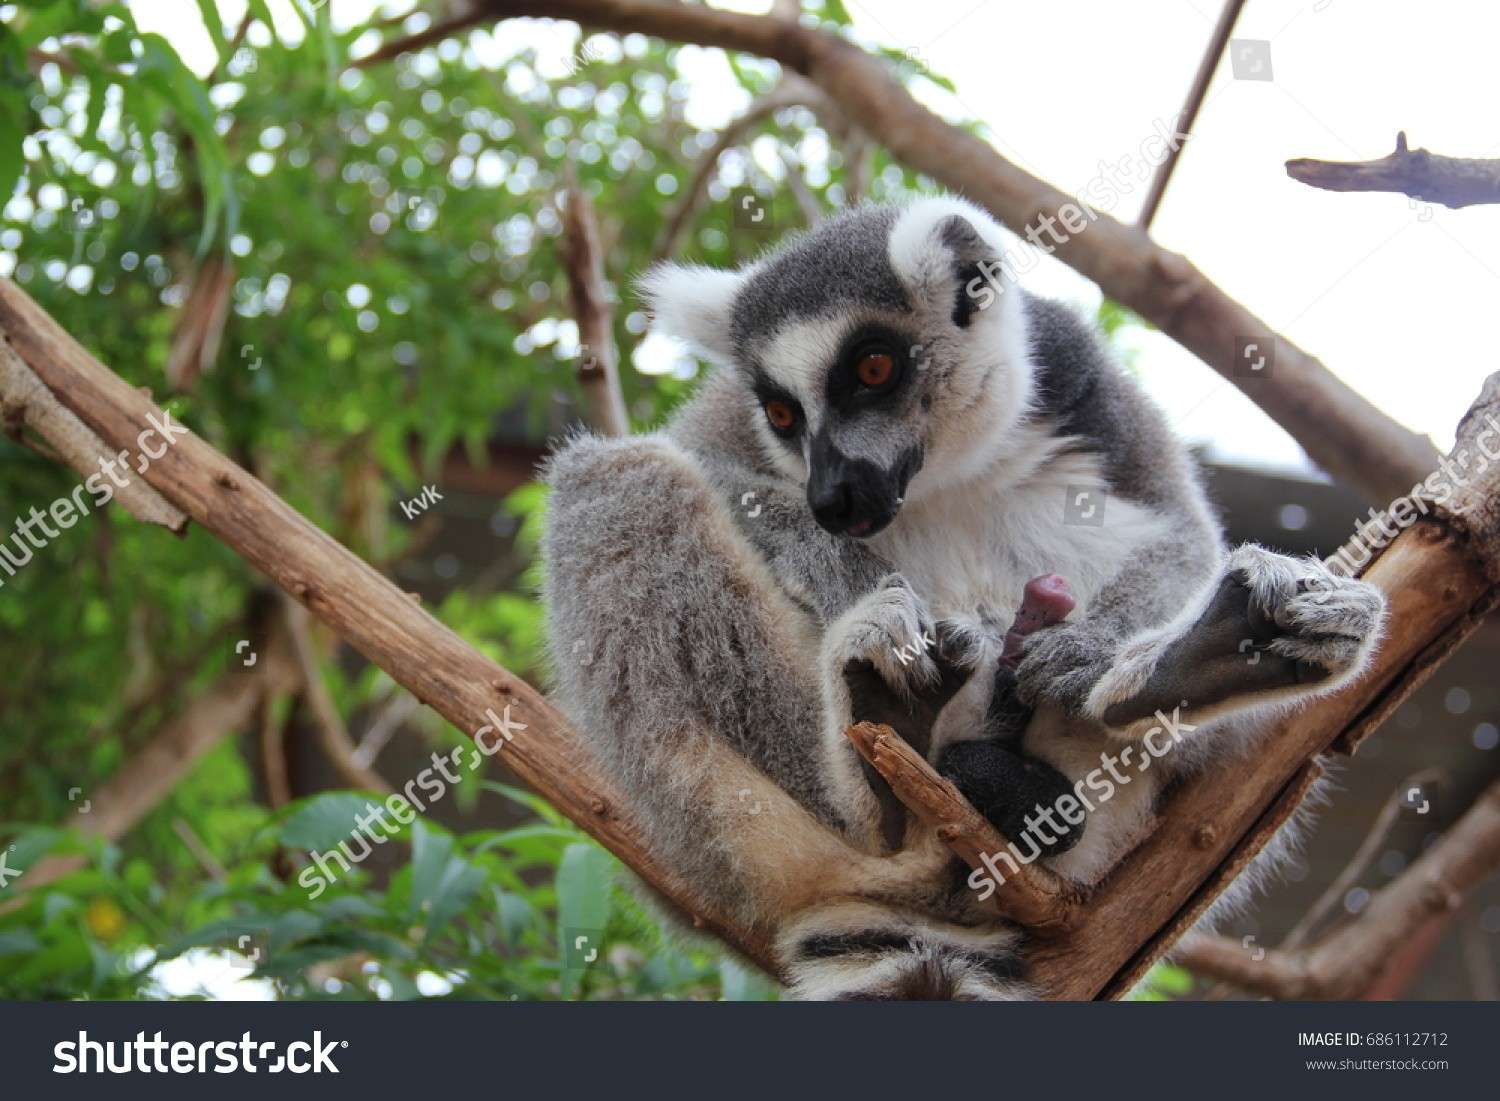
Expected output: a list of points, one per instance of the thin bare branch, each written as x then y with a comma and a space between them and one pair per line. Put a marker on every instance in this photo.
1212, 55
1031, 895
790, 91
333, 735
439, 30
156, 768
273, 754
807, 202
1363, 857
598, 364
1453, 181
194, 844
367, 611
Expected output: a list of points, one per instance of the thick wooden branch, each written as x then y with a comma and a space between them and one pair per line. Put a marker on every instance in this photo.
1033, 895
1453, 181
598, 364
1339, 429
1437, 575
26, 403
1434, 574
1347, 962
362, 607
1436, 578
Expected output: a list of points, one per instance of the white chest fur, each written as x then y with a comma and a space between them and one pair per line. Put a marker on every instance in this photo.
975, 546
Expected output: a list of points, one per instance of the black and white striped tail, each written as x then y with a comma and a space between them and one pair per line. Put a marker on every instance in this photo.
861, 951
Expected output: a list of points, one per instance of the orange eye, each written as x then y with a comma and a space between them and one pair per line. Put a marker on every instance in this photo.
875, 368
781, 415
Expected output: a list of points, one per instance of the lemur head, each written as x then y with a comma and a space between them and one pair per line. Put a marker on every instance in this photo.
881, 353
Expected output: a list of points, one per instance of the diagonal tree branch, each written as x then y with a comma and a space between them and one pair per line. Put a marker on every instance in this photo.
1347, 962
1453, 181
1338, 428
1033, 896
26, 403
1212, 55
333, 735
1439, 577
362, 607
790, 91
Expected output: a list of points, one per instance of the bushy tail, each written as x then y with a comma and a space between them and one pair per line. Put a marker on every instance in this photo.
856, 950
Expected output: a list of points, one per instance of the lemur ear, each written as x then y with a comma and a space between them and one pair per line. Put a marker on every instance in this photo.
693, 303
966, 250
938, 247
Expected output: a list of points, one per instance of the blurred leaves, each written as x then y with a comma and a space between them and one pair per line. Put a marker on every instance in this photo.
397, 304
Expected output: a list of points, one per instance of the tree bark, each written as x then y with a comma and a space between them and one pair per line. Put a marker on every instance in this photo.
598, 363
1453, 181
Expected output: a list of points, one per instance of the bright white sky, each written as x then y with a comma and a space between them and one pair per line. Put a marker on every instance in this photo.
1393, 297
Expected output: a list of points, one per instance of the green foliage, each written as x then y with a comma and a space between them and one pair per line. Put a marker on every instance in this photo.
1163, 983
394, 298
472, 916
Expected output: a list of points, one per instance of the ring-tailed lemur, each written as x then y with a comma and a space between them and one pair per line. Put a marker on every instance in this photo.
837, 526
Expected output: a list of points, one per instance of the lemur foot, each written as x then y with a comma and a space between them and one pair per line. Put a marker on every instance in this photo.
1321, 618
1274, 625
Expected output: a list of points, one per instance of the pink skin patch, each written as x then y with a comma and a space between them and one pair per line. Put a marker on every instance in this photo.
1045, 601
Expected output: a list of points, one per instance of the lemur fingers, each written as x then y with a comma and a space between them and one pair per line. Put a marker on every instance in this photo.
891, 631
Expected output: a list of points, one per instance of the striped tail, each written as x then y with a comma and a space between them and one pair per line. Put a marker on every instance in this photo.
856, 950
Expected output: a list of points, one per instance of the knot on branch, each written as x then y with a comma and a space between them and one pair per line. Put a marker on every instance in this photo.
1472, 473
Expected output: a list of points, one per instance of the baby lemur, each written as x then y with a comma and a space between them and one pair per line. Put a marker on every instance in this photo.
840, 525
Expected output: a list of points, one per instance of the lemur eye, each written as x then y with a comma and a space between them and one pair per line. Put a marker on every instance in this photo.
781, 415
875, 368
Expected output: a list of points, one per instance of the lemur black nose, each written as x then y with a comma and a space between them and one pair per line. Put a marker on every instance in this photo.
832, 504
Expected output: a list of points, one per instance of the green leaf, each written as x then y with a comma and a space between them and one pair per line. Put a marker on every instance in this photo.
12, 131
210, 13
320, 822
18, 942
585, 887
441, 883
516, 915
543, 809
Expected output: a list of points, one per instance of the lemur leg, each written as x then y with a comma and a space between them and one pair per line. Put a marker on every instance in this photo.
701, 685
1271, 628
665, 621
